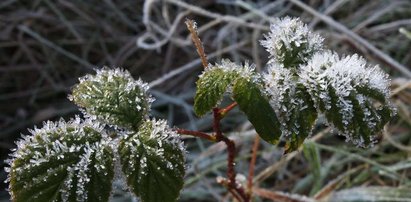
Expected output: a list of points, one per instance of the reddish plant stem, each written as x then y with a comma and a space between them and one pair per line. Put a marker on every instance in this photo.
252, 164
196, 134
224, 111
225, 183
231, 174
237, 191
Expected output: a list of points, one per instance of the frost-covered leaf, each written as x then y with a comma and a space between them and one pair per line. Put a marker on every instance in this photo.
290, 42
113, 97
210, 89
214, 82
64, 161
302, 115
293, 105
153, 162
353, 95
247, 92
371, 194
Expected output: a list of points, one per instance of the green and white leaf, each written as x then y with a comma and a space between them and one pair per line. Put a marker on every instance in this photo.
153, 162
353, 96
64, 161
215, 81
290, 43
293, 105
302, 115
113, 97
210, 89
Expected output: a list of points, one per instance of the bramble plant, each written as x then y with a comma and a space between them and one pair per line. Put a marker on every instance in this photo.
78, 160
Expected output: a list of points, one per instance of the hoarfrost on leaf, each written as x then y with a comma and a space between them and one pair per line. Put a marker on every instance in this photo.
63, 161
346, 90
217, 80
113, 97
290, 42
291, 102
153, 161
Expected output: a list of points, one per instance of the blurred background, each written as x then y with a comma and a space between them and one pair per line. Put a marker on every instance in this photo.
45, 45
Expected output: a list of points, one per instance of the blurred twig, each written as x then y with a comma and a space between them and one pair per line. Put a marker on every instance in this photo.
50, 44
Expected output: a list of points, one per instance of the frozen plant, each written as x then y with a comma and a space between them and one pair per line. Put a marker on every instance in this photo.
76, 160
290, 42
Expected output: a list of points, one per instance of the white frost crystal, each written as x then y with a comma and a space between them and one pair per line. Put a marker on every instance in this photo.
344, 75
60, 153
74, 160
245, 71
345, 85
290, 42
218, 79
350, 77
154, 152
280, 86
113, 97
301, 76
154, 136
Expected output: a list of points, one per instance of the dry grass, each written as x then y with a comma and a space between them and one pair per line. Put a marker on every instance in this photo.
45, 45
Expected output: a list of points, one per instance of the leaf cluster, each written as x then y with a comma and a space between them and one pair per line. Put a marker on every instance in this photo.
76, 160
302, 82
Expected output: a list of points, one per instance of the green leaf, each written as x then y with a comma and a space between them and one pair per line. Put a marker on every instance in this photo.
366, 118
333, 113
295, 55
153, 162
65, 161
255, 105
312, 155
372, 93
362, 130
290, 43
303, 116
211, 87
113, 97
353, 95
385, 113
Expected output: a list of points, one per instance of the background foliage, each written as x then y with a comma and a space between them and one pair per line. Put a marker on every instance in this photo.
46, 45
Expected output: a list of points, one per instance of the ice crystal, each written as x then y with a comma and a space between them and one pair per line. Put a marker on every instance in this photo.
245, 71
216, 80
155, 151
342, 88
113, 97
288, 98
279, 82
290, 42
154, 136
346, 75
354, 85
75, 161
68, 151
